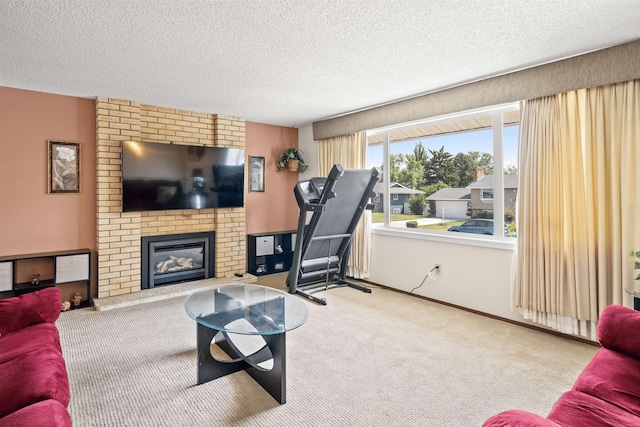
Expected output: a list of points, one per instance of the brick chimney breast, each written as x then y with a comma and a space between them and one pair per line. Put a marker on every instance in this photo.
478, 175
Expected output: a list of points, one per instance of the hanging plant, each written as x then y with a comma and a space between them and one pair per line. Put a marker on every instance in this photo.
291, 159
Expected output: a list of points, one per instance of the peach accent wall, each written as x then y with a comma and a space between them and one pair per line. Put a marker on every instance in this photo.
275, 209
31, 220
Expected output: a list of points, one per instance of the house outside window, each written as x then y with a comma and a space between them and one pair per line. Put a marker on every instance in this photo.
451, 161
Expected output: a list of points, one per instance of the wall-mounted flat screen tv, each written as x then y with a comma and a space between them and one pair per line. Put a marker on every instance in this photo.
170, 176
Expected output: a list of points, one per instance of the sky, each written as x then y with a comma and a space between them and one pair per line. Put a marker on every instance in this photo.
481, 141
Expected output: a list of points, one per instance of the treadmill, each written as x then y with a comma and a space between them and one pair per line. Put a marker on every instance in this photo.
336, 204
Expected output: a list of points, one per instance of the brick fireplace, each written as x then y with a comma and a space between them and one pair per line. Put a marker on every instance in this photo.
119, 234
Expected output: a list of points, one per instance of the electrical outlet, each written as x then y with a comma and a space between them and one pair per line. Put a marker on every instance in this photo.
438, 269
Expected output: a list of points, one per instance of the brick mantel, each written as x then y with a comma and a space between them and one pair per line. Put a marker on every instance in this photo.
119, 234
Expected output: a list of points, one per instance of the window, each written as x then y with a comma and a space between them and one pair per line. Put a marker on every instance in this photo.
448, 166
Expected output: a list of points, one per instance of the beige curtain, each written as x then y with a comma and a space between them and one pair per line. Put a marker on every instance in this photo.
350, 151
577, 204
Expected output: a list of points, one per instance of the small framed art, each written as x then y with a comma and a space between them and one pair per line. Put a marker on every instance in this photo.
256, 172
64, 167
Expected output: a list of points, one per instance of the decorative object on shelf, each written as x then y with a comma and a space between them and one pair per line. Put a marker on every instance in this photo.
292, 159
64, 167
256, 180
262, 268
35, 279
279, 249
635, 257
77, 299
66, 305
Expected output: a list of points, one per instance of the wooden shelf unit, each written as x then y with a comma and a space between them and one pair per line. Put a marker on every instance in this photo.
68, 270
270, 253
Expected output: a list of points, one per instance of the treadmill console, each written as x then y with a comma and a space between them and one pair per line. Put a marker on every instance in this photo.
309, 191
318, 185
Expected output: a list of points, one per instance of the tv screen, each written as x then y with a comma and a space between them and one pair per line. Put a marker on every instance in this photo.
169, 176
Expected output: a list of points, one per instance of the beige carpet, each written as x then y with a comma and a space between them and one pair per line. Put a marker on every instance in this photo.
380, 359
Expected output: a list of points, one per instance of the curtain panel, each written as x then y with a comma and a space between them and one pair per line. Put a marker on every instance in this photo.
350, 151
577, 204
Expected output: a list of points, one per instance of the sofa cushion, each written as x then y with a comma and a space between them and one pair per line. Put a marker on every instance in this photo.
617, 328
613, 377
37, 375
47, 413
29, 309
579, 409
15, 344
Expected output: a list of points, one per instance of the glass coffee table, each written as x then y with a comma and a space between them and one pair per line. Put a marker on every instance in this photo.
634, 291
249, 324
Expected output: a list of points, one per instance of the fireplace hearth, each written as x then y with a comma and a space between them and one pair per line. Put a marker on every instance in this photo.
176, 258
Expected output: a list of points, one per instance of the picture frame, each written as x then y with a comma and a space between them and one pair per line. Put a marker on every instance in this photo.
256, 174
63, 167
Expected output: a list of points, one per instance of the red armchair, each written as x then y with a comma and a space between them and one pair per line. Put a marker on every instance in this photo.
607, 392
34, 385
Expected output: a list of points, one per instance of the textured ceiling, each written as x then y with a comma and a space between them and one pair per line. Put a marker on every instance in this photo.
290, 62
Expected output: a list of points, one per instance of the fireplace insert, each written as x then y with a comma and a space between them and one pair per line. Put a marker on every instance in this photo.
176, 258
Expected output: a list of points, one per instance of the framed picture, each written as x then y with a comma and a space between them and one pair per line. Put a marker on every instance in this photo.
64, 167
256, 174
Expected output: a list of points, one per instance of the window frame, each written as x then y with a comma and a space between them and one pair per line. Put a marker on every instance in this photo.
482, 190
498, 240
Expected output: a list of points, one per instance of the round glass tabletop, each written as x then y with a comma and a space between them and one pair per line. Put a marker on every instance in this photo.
246, 309
634, 290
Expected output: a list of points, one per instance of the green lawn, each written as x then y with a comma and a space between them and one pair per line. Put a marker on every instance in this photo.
379, 217
440, 226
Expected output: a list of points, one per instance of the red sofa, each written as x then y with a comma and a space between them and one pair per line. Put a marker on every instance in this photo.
34, 388
607, 392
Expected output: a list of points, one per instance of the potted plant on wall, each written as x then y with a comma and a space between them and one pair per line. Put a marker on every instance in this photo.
291, 159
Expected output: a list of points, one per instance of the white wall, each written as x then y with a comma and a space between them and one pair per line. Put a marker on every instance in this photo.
475, 277
310, 149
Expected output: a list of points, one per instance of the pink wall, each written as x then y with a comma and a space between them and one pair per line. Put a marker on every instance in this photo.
275, 209
31, 220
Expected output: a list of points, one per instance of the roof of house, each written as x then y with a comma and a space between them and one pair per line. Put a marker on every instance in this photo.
462, 194
510, 181
396, 188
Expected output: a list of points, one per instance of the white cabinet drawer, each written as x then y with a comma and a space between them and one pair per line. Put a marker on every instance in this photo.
71, 268
6, 276
264, 245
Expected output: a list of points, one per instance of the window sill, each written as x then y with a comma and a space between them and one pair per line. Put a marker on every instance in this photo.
504, 243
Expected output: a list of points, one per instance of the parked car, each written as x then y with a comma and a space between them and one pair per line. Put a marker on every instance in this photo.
477, 226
